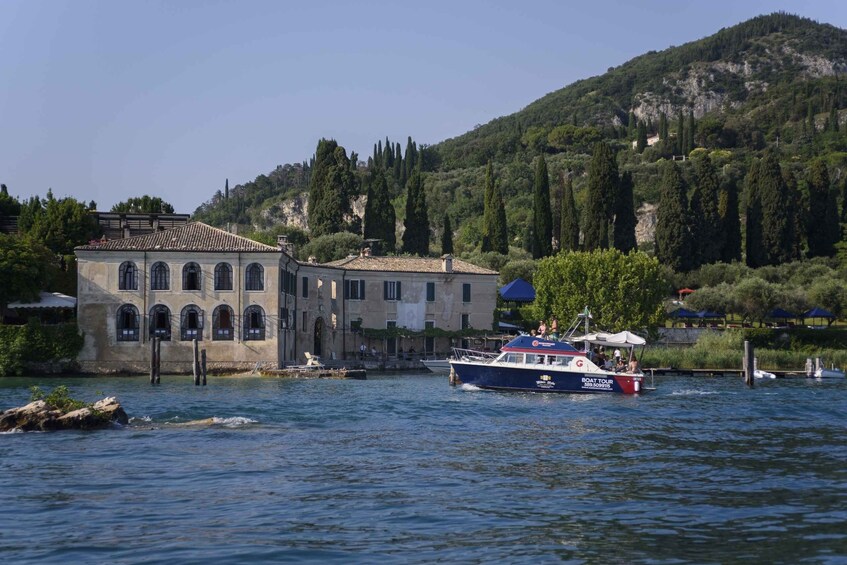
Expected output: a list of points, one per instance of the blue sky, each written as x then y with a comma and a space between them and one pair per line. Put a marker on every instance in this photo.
105, 100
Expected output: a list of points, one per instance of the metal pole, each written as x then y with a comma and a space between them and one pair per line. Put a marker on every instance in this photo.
196, 363
203, 366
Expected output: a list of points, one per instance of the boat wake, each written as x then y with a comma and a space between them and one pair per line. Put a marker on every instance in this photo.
231, 422
693, 392
470, 387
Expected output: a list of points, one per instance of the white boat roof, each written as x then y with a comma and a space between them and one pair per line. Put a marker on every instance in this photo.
620, 339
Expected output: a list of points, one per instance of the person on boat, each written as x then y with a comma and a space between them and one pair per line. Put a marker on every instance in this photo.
633, 366
554, 328
542, 329
617, 355
373, 351
620, 366
599, 357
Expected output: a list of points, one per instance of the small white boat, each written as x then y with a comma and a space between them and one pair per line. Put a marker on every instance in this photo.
437, 365
831, 373
759, 374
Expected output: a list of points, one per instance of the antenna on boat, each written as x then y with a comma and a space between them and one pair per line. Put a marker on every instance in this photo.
586, 315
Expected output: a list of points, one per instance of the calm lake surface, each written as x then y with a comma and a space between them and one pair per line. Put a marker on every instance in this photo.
406, 469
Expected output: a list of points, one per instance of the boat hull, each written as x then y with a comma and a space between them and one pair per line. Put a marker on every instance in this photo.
498, 377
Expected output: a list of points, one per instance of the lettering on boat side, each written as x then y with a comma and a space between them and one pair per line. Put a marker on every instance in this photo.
596, 383
545, 381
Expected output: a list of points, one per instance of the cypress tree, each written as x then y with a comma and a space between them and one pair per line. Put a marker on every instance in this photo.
673, 243
557, 213
625, 220
641, 142
416, 236
409, 161
569, 240
731, 222
631, 125
689, 131
226, 189
379, 213
844, 200
824, 232
330, 188
500, 235
398, 166
707, 228
778, 221
542, 218
832, 123
488, 216
754, 247
601, 197
663, 127
447, 237
679, 143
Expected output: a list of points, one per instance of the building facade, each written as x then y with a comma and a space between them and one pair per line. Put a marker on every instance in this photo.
251, 304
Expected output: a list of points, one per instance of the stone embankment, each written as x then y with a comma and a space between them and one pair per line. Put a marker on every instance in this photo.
40, 416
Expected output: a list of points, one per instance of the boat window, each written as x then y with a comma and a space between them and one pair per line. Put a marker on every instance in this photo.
531, 358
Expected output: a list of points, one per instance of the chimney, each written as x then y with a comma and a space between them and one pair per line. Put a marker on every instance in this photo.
447, 263
313, 260
283, 244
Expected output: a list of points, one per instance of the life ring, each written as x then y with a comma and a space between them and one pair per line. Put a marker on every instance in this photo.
579, 362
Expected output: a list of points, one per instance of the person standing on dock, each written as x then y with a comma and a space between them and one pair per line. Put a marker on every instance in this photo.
362, 351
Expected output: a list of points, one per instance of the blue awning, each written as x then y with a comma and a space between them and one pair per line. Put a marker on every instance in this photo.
818, 312
683, 313
780, 313
518, 291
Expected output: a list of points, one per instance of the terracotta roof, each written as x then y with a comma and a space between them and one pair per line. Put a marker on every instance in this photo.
407, 265
193, 236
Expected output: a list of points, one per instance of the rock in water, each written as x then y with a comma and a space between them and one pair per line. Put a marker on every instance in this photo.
39, 416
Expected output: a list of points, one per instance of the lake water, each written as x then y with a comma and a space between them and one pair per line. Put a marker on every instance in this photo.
406, 469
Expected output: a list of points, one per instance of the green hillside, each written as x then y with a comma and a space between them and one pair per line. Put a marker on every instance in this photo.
770, 82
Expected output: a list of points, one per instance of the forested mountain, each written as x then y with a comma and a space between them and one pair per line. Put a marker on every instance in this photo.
768, 89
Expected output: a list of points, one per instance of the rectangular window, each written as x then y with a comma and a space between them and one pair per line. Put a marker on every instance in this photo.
429, 341
466, 323
283, 319
305, 320
334, 290
354, 290
466, 292
391, 342
320, 285
391, 290
430, 292
305, 281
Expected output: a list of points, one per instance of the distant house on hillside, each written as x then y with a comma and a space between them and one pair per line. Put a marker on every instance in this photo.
651, 141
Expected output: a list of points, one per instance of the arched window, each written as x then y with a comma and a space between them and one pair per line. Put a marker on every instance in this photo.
128, 276
222, 328
191, 323
159, 275
127, 323
255, 277
254, 323
191, 276
160, 322
223, 276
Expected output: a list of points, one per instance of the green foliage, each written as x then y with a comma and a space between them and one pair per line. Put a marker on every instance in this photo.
673, 240
416, 236
144, 205
34, 343
447, 237
332, 247
9, 206
59, 399
26, 268
523, 268
569, 238
380, 217
296, 237
602, 196
542, 219
625, 220
622, 291
707, 227
330, 188
823, 232
60, 225
730, 221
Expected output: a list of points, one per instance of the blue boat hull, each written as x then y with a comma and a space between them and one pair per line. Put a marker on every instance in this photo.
543, 379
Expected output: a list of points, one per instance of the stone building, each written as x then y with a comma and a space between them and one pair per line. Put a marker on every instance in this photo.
252, 304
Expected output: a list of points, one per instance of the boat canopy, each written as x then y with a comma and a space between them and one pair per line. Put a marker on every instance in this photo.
533, 344
620, 339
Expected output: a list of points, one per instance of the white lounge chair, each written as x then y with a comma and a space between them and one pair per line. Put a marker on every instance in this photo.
313, 361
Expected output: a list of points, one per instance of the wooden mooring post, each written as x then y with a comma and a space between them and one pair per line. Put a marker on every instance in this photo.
203, 367
196, 364
749, 364
155, 361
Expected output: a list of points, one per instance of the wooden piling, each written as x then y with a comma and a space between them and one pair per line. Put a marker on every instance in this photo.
153, 361
749, 364
203, 367
196, 364
158, 341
